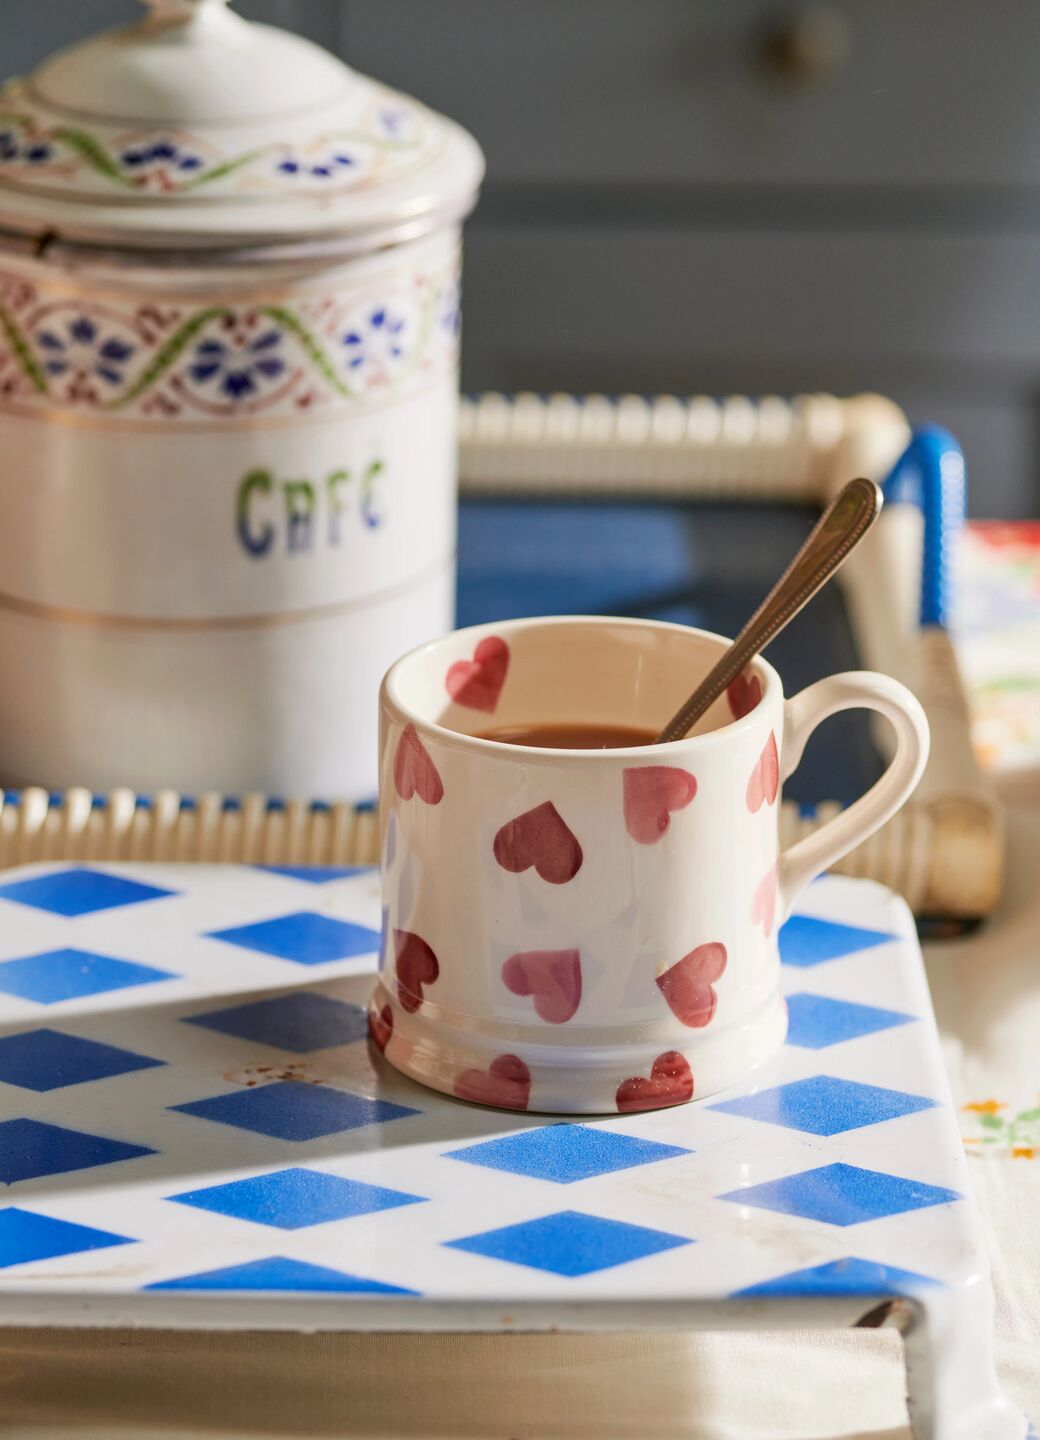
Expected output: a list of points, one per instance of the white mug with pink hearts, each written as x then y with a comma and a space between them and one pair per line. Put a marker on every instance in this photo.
587, 931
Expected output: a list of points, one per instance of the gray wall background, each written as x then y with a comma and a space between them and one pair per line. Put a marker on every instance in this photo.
665, 212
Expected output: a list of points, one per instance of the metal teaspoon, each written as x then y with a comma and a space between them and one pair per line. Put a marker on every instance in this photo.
837, 532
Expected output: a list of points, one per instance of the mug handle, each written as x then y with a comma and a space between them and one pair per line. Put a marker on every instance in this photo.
853, 690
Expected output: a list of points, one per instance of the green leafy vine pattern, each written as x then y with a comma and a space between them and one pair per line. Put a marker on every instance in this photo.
389, 136
166, 362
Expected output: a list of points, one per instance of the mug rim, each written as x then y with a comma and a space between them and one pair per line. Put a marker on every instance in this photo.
390, 699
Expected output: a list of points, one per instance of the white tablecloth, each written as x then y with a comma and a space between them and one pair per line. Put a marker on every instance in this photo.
701, 1387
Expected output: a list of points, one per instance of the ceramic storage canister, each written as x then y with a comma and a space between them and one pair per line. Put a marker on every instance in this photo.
229, 328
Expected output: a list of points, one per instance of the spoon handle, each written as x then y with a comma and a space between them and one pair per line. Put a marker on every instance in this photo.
839, 529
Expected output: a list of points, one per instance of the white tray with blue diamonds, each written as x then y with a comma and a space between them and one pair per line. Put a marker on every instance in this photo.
195, 1129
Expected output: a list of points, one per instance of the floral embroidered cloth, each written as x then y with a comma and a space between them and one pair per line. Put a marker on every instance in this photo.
988, 1007
997, 626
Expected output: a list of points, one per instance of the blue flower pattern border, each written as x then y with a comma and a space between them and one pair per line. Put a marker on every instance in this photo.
389, 135
320, 350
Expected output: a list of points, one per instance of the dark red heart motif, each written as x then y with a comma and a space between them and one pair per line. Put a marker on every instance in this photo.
743, 694
477, 683
380, 1028
687, 985
552, 977
542, 838
414, 771
765, 778
506, 1082
651, 793
763, 902
670, 1083
416, 966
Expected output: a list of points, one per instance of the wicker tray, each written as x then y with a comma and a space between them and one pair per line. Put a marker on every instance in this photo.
943, 852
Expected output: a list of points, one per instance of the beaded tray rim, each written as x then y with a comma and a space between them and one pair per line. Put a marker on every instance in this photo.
942, 852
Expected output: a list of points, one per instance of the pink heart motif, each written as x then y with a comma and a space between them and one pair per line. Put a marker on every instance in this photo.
506, 1082
687, 985
670, 1083
416, 966
764, 783
380, 1028
414, 771
542, 838
743, 694
477, 683
651, 794
763, 902
551, 977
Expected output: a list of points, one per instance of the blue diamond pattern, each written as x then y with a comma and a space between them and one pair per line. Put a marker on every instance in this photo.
842, 1195
565, 1153
315, 874
279, 1273
570, 1243
48, 1060
816, 1021
291, 1110
305, 937
29, 1149
292, 1199
300, 1022
297, 1191
804, 940
824, 1105
841, 1277
70, 974
79, 892
26, 1236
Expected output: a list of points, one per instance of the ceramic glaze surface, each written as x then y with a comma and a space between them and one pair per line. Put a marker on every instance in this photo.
195, 127
273, 463
587, 932
228, 393
168, 1020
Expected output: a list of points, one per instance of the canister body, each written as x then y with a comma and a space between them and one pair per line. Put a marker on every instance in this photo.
229, 501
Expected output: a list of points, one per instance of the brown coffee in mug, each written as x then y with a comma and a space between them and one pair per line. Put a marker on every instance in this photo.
571, 736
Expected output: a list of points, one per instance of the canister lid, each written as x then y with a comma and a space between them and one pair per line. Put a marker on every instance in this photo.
195, 128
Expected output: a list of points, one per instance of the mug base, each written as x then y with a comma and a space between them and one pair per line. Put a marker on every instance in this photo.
574, 1080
